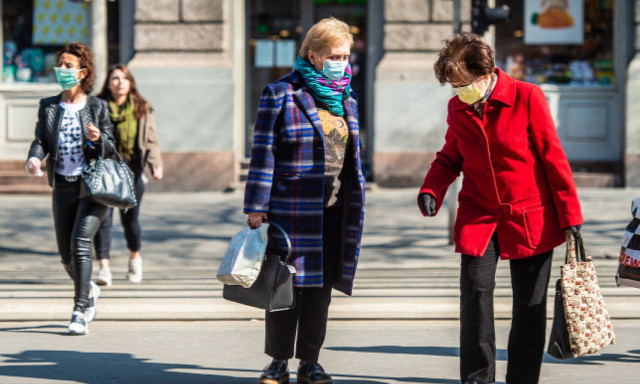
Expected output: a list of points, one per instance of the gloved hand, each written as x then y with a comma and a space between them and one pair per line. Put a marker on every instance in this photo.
575, 231
427, 204
33, 166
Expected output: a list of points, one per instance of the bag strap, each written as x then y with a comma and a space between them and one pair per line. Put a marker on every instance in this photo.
570, 257
576, 252
286, 238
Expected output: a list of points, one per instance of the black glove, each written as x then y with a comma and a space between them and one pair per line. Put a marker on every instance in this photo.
575, 231
427, 204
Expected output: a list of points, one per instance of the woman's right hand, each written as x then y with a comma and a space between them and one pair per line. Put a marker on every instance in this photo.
256, 219
33, 166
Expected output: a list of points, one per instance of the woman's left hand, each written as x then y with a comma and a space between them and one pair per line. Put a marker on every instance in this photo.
158, 173
93, 133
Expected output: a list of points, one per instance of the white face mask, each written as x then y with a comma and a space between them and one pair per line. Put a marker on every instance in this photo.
334, 70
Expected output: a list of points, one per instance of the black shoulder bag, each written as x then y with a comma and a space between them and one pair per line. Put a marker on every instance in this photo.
273, 289
108, 182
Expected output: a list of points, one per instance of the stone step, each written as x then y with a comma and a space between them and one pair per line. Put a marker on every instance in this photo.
20, 178
25, 189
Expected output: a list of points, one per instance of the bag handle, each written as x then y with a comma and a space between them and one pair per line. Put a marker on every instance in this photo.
286, 238
576, 251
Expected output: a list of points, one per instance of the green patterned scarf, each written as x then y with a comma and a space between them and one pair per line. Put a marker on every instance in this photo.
126, 127
330, 92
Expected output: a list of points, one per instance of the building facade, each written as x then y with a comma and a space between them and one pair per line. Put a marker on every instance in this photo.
203, 63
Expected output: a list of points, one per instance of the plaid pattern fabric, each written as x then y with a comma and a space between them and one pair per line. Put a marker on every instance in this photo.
286, 178
629, 264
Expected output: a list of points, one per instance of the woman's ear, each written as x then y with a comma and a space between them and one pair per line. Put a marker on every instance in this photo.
311, 56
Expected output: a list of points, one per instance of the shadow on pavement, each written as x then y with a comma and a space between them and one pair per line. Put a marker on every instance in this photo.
103, 368
632, 356
39, 329
423, 380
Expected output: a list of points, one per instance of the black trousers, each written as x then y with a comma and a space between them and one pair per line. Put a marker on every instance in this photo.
130, 223
529, 281
310, 314
76, 222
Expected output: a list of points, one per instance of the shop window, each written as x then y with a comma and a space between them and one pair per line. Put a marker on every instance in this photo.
34, 30
562, 42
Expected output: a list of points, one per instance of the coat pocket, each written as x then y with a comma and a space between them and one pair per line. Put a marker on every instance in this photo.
540, 225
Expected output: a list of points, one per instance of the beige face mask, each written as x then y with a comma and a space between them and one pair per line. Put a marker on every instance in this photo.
470, 94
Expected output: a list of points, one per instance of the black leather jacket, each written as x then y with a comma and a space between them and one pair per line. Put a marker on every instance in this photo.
50, 115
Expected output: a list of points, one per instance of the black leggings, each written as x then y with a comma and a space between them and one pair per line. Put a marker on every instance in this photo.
130, 224
76, 222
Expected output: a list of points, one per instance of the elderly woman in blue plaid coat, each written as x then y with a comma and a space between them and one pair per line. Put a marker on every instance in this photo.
305, 174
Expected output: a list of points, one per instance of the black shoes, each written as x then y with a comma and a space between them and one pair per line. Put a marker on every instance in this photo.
275, 373
313, 373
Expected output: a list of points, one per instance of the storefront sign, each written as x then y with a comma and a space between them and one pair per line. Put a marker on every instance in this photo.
553, 22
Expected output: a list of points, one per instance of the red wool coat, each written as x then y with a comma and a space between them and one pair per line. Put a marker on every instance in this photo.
517, 181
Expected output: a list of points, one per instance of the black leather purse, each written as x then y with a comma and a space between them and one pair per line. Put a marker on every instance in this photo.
108, 182
273, 289
559, 345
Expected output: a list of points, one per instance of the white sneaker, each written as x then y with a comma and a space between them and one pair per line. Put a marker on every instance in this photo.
90, 312
78, 324
104, 276
135, 270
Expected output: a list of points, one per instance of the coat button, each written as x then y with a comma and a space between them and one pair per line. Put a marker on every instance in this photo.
506, 209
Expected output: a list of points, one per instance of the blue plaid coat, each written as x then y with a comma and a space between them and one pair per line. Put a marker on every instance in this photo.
286, 178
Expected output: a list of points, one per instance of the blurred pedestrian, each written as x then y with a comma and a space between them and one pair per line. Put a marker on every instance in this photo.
73, 127
517, 199
305, 174
138, 145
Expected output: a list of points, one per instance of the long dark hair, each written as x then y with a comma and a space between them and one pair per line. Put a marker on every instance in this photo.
142, 106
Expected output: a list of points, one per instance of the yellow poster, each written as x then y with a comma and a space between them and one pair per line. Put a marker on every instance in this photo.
59, 22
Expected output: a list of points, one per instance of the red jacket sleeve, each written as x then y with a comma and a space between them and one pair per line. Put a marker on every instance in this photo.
444, 169
554, 160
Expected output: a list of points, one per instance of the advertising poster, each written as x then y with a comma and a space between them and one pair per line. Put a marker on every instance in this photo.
553, 21
59, 22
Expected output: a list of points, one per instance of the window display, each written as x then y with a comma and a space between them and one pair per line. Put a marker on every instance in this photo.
33, 31
547, 58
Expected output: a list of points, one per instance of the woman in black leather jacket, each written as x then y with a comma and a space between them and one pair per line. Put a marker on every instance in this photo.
73, 127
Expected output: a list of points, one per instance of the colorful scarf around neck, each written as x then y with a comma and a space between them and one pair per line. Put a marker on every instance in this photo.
126, 126
329, 92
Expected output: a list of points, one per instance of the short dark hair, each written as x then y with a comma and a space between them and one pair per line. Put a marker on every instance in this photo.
85, 57
463, 59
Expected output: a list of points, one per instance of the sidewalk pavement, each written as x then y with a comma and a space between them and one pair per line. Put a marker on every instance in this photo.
399, 327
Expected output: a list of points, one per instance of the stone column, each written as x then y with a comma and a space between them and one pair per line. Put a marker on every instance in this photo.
632, 150
184, 65
98, 11
411, 106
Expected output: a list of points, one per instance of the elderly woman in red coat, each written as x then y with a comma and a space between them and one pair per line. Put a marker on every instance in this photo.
517, 200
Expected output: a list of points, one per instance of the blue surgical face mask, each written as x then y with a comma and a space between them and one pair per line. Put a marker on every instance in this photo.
334, 70
67, 78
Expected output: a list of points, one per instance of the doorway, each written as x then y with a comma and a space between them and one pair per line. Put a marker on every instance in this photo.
275, 30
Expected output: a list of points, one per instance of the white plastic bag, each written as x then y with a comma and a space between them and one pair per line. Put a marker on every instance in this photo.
243, 258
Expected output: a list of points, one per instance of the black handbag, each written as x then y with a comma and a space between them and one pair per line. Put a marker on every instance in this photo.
273, 289
559, 345
108, 182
